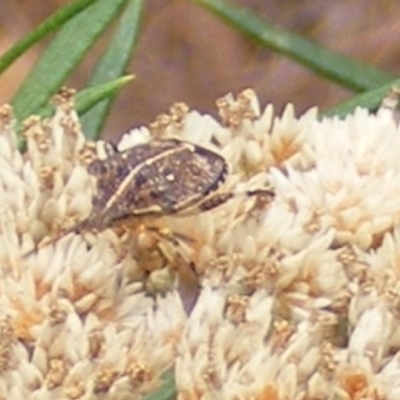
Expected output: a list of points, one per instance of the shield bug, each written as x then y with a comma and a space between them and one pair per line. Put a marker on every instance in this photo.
158, 178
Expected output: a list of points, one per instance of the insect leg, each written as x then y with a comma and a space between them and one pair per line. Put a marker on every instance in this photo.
216, 199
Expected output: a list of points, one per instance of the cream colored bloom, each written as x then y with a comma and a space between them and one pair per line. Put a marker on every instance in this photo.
294, 297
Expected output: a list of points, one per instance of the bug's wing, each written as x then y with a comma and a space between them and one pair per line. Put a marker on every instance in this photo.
178, 180
177, 176
116, 179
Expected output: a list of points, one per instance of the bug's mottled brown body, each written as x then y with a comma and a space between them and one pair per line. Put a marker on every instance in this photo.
161, 177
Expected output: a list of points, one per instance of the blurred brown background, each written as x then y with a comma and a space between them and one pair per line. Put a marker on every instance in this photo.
187, 54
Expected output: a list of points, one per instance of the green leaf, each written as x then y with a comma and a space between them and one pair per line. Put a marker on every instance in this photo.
370, 100
84, 100
90, 97
63, 54
113, 65
334, 66
50, 24
167, 391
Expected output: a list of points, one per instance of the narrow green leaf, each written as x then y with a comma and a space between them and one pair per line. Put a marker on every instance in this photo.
339, 68
52, 23
88, 98
63, 54
167, 391
113, 65
370, 100
84, 100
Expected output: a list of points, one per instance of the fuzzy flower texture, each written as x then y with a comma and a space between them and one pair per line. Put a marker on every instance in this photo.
292, 296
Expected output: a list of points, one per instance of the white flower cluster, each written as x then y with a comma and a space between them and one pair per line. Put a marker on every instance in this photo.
294, 297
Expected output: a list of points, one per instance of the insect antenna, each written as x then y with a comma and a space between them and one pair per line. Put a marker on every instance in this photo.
77, 228
217, 199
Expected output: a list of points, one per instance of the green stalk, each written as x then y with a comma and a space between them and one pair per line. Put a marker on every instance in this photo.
330, 64
50, 24
113, 64
63, 54
370, 100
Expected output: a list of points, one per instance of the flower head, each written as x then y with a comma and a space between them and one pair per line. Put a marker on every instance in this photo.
293, 297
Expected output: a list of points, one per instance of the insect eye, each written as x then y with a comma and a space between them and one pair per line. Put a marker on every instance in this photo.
97, 168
